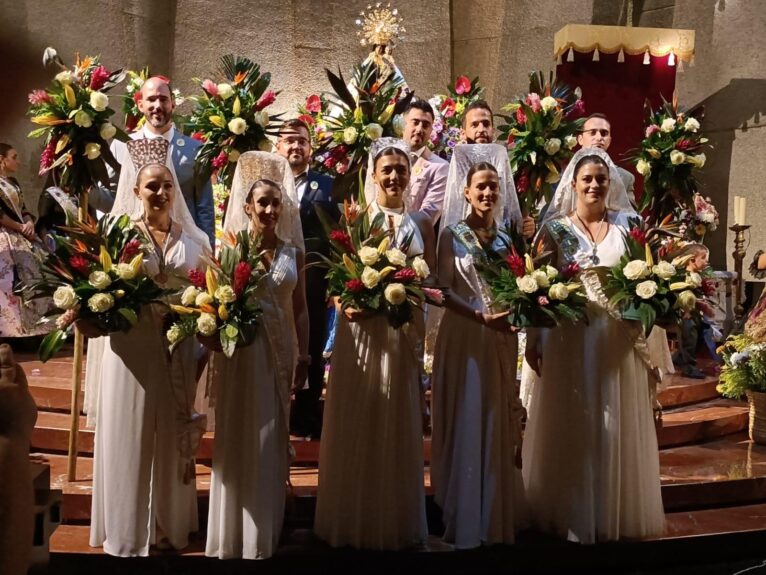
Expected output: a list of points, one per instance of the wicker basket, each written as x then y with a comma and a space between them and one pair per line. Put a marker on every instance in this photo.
757, 401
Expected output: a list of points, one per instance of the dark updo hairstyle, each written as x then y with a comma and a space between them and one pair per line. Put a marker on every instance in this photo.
391, 151
263, 182
591, 159
479, 167
145, 167
4, 149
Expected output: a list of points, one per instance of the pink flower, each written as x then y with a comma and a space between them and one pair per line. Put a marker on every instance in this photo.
342, 168
314, 104
405, 275
220, 160
330, 162
684, 145
98, 78
533, 101
521, 117
578, 109
130, 250
542, 300
652, 129
355, 285
462, 85
434, 296
448, 108
570, 270
37, 97
48, 156
266, 100
307, 119
210, 87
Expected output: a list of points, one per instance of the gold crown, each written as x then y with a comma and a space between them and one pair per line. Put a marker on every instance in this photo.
380, 26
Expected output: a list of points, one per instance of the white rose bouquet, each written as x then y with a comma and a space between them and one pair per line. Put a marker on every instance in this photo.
95, 275
220, 306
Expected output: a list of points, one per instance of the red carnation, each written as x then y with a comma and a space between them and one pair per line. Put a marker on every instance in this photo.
98, 78
684, 145
354, 285
343, 239
79, 264
197, 278
266, 100
462, 85
448, 108
570, 270
220, 160
405, 275
516, 264
37, 97
638, 236
305, 118
199, 136
521, 117
130, 250
242, 273
314, 104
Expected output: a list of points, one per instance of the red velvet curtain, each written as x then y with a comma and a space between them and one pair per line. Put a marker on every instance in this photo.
618, 90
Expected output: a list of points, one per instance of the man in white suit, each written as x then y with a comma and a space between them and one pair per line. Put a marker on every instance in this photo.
429, 172
156, 103
596, 132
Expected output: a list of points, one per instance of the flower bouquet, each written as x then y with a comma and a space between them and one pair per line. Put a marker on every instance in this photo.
350, 123
670, 152
220, 306
94, 275
448, 114
232, 117
744, 366
695, 224
311, 112
369, 272
539, 296
540, 132
134, 119
73, 115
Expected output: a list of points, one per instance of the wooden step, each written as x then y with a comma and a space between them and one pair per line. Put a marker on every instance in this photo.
679, 391
700, 422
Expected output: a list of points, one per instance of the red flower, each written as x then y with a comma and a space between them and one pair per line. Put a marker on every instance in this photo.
220, 160
80, 264
137, 97
199, 136
522, 183
131, 122
48, 156
462, 85
570, 270
307, 119
343, 239
330, 162
197, 278
515, 263
709, 287
521, 117
314, 104
684, 145
354, 285
638, 236
210, 87
266, 100
533, 101
578, 109
37, 97
405, 275
98, 78
130, 250
242, 273
448, 108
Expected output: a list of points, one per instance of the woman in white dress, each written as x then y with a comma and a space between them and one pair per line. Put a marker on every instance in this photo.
591, 463
144, 489
252, 389
371, 491
476, 439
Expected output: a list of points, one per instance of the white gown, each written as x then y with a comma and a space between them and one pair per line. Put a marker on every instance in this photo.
591, 463
371, 491
476, 421
250, 455
141, 478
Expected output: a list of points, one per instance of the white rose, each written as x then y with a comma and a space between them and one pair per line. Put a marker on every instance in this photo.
264, 145
225, 91
349, 135
107, 130
395, 294
646, 290
698, 161
174, 334
65, 297
636, 269
99, 280
233, 156
677, 157
206, 324
570, 142
398, 125
527, 284
396, 257
668, 124
368, 255
189, 297
687, 301
691, 125
664, 270
64, 77
541, 278
552, 146
558, 291
237, 126
203, 298
373, 131
261, 118
370, 277
101, 302
99, 101
225, 294
421, 268
694, 279
551, 272
83, 119
92, 150
643, 167
125, 271
549, 103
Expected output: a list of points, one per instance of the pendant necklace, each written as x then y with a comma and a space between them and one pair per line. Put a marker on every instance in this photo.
591, 239
161, 277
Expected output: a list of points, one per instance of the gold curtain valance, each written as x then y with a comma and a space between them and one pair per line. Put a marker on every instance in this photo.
611, 39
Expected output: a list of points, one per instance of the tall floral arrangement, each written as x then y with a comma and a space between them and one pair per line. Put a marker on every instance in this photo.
448, 113
694, 224
669, 157
540, 132
744, 366
232, 116
73, 114
134, 119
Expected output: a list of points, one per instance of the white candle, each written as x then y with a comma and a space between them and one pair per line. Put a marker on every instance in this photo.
742, 210
736, 210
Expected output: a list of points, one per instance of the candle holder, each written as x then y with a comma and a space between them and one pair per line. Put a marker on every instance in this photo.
739, 255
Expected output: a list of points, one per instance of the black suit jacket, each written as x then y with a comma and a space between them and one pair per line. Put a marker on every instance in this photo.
317, 197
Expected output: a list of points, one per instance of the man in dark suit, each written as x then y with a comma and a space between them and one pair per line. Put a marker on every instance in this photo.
313, 189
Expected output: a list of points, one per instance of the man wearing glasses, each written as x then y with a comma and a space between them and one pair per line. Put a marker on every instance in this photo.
596, 132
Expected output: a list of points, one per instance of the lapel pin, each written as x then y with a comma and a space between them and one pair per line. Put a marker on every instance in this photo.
314, 185
180, 142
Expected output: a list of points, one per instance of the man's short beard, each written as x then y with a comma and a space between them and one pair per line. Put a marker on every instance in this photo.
159, 124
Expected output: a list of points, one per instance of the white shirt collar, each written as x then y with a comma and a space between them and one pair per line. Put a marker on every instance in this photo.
167, 135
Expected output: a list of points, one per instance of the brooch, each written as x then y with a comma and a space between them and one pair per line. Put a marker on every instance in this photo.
314, 185
418, 170
180, 142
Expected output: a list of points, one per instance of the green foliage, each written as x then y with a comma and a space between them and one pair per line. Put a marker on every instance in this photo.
744, 366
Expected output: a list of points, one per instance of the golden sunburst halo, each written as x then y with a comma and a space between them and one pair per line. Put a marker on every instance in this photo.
380, 25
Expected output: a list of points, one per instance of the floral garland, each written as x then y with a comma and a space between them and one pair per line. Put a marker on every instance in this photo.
448, 113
